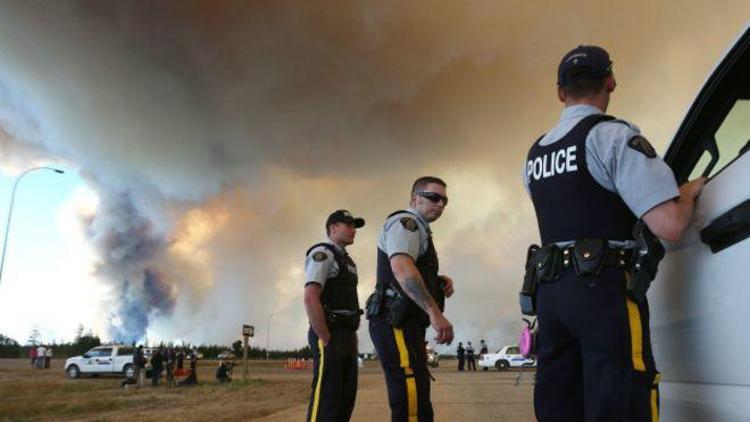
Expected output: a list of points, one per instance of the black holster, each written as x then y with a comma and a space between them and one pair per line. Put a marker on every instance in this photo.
649, 253
589, 256
374, 304
398, 309
527, 295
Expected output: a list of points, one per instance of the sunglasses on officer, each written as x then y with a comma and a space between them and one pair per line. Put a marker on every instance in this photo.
433, 197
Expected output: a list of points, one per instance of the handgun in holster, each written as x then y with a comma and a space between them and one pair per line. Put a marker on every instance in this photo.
647, 256
398, 308
374, 304
527, 296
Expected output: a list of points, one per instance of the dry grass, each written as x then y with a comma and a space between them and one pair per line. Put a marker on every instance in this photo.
27, 394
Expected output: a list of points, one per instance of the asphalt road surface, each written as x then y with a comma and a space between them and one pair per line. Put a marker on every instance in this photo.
456, 396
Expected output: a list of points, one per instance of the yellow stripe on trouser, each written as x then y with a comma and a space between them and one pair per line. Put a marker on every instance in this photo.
654, 401
411, 384
636, 348
636, 333
316, 399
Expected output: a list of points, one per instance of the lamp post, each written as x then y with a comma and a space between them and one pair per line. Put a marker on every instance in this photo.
10, 210
268, 333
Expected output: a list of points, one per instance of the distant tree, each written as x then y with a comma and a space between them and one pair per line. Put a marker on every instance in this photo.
237, 348
9, 348
34, 337
79, 332
83, 344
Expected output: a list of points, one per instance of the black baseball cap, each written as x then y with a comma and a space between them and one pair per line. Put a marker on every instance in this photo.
584, 62
344, 216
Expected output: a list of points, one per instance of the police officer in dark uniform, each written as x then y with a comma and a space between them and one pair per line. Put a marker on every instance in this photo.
333, 310
590, 179
409, 296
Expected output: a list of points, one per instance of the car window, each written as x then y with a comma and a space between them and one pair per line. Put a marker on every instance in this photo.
514, 351
104, 352
125, 351
732, 139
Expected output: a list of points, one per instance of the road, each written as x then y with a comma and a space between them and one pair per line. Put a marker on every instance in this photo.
456, 396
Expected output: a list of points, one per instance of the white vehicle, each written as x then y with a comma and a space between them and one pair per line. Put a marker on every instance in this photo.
102, 360
701, 296
506, 357
433, 358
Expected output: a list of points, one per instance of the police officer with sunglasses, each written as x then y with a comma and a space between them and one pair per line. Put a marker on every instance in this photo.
333, 310
410, 296
591, 178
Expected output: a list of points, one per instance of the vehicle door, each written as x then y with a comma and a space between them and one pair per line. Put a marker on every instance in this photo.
700, 300
102, 360
123, 356
514, 356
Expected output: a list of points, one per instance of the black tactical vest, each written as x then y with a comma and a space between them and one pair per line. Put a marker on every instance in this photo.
340, 292
428, 266
569, 203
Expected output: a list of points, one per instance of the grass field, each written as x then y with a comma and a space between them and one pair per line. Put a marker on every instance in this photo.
30, 394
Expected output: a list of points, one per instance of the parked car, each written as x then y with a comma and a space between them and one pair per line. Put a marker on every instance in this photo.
433, 358
115, 359
505, 358
700, 296
226, 354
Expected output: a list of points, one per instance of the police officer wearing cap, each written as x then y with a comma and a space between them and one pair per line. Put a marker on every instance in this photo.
409, 296
332, 308
591, 178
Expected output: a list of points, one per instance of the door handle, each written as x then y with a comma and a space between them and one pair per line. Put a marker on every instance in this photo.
729, 228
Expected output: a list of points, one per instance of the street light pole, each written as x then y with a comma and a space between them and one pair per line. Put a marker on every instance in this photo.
268, 333
10, 210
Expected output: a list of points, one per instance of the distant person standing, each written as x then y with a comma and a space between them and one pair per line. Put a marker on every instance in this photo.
41, 353
140, 365
470, 357
180, 359
461, 355
170, 366
32, 355
157, 361
48, 357
483, 351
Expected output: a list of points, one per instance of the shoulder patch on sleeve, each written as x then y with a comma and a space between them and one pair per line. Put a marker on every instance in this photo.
320, 256
409, 224
641, 144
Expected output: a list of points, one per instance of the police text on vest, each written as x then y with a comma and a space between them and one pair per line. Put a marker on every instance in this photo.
556, 162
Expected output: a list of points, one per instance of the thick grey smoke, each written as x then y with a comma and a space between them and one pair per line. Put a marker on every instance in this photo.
219, 135
131, 251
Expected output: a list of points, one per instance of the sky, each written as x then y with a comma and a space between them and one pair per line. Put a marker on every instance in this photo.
205, 143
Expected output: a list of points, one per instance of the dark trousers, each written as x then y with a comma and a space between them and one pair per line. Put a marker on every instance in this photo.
403, 356
472, 363
155, 376
461, 363
334, 385
594, 352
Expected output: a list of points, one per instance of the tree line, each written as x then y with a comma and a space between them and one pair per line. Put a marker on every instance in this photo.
84, 341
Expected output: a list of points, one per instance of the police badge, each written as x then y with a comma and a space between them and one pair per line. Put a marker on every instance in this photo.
641, 144
409, 224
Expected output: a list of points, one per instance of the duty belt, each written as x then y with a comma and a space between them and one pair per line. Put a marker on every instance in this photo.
343, 318
587, 256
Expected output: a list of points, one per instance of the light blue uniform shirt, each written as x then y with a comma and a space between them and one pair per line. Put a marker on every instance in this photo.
395, 237
640, 181
320, 271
